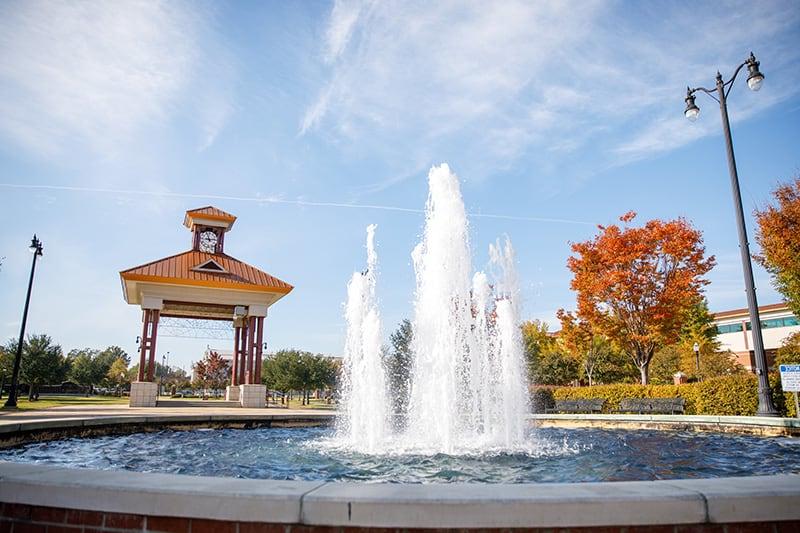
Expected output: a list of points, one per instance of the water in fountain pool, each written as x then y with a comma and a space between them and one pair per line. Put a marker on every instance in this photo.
552, 455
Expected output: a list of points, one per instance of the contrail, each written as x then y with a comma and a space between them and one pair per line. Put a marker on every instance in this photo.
271, 200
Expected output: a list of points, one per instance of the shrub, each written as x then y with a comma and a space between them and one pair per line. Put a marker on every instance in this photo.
542, 398
784, 401
614, 394
732, 395
726, 395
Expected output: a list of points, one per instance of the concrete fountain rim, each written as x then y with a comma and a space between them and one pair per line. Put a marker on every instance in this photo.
457, 505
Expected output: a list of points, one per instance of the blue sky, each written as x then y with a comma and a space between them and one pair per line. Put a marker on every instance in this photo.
556, 115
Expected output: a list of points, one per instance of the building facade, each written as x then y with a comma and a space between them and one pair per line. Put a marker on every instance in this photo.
734, 331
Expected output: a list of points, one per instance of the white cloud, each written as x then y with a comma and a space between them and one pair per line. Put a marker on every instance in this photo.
506, 78
95, 73
343, 18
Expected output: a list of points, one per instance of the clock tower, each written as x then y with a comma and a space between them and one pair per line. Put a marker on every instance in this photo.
208, 226
204, 283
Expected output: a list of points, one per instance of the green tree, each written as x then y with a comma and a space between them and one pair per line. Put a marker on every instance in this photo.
616, 367
304, 375
117, 374
42, 363
111, 354
699, 328
556, 366
324, 374
279, 371
397, 361
86, 369
549, 362
665, 364
595, 354
6, 363
719, 363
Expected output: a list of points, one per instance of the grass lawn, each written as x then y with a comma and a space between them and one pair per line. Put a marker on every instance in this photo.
45, 402
314, 404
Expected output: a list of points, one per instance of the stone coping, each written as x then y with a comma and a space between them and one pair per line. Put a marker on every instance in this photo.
625, 503
39, 426
21, 430
761, 425
154, 417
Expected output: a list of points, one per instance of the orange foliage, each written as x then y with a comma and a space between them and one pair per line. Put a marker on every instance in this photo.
779, 238
636, 284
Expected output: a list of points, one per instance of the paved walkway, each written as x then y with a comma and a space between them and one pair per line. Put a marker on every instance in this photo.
10, 417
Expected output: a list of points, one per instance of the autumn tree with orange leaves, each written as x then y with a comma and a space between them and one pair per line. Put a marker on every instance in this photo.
212, 371
636, 285
779, 238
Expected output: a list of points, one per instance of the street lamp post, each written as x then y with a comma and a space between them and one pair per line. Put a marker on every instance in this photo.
36, 249
696, 349
163, 369
723, 88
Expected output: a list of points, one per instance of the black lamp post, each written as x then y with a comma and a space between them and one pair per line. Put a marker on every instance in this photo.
696, 349
723, 88
36, 250
164, 367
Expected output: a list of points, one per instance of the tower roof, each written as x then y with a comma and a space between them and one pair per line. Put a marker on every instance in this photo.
182, 269
209, 215
205, 274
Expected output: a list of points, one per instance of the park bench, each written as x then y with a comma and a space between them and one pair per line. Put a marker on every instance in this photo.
591, 405
652, 406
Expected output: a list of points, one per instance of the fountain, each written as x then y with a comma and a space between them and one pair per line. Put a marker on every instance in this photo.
468, 389
364, 424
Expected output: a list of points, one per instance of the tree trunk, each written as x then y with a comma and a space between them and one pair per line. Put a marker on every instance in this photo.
644, 370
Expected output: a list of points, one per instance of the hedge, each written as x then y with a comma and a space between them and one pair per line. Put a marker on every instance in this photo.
728, 395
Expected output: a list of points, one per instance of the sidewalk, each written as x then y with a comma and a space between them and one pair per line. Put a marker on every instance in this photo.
11, 417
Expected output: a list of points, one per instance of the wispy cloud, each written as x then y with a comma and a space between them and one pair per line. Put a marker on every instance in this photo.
261, 199
343, 18
508, 78
96, 73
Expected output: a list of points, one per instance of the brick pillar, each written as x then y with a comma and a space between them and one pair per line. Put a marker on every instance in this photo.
147, 356
259, 348
251, 335
143, 344
151, 366
237, 331
242, 352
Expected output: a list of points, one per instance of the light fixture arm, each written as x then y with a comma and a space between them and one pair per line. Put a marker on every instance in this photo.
725, 84
709, 92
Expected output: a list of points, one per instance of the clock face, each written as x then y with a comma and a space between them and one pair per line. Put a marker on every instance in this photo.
208, 242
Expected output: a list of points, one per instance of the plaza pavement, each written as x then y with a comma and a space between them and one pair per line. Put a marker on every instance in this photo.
122, 411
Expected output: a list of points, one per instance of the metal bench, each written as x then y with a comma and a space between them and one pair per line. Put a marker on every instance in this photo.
591, 405
664, 406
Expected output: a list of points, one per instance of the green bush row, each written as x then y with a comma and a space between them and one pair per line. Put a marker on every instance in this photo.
727, 395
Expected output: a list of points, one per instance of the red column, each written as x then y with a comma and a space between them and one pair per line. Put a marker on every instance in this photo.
251, 334
235, 369
259, 347
143, 344
154, 314
243, 353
